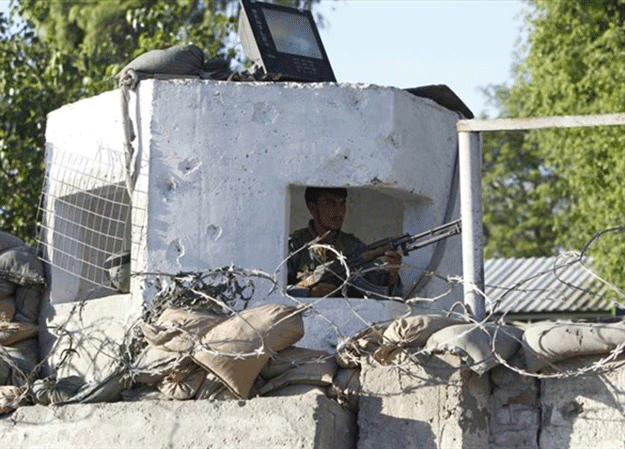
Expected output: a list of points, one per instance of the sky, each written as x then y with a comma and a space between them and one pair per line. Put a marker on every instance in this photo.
465, 44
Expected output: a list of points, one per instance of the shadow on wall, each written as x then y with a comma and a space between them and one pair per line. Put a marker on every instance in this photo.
572, 407
334, 430
390, 432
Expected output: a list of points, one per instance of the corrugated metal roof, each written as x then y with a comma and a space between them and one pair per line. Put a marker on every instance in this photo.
543, 285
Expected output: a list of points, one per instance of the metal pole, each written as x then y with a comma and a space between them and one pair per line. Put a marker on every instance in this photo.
471, 215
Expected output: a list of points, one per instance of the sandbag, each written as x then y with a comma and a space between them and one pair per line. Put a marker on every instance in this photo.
290, 358
108, 389
318, 372
364, 342
297, 390
15, 332
7, 289
410, 332
226, 395
8, 241
52, 391
22, 266
213, 389
154, 363
473, 344
24, 355
5, 369
547, 343
11, 397
345, 388
28, 303
182, 384
210, 387
179, 329
176, 60
143, 393
243, 342
7, 309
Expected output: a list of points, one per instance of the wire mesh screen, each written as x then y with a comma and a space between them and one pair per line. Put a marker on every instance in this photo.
85, 219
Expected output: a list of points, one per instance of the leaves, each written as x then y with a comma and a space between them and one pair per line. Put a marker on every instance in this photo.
54, 53
552, 190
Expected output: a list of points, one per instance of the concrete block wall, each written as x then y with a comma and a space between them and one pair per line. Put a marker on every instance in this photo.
515, 409
425, 405
579, 411
428, 406
586, 410
309, 421
431, 406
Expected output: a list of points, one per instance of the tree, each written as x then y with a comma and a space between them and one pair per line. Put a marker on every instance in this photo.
563, 185
54, 53
519, 193
26, 94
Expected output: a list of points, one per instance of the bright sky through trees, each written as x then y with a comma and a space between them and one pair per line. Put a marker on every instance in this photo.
466, 44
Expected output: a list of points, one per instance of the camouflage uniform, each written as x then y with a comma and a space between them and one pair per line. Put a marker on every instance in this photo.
303, 264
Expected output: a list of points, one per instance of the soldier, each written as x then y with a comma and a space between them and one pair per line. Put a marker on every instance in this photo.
327, 206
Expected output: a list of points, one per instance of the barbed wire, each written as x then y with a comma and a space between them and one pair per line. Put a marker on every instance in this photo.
228, 291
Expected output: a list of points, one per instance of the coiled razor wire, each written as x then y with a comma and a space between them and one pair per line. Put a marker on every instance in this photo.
229, 290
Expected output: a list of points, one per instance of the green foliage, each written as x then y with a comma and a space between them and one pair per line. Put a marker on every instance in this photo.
519, 192
57, 52
25, 95
552, 190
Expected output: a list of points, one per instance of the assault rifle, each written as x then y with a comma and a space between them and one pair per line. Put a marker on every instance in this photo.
334, 271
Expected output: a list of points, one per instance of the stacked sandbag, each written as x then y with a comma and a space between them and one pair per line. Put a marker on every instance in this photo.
21, 288
236, 350
475, 346
547, 343
296, 371
195, 353
410, 332
165, 369
381, 343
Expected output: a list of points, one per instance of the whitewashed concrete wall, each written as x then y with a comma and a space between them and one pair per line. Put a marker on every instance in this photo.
226, 162
309, 421
84, 163
222, 167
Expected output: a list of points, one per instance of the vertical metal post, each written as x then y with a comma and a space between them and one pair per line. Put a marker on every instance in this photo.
470, 158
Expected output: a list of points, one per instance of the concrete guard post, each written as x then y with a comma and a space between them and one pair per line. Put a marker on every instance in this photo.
222, 169
221, 172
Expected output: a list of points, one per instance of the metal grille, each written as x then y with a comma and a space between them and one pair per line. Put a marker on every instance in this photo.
85, 215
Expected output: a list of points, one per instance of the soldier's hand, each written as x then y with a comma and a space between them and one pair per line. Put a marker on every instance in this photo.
322, 289
393, 264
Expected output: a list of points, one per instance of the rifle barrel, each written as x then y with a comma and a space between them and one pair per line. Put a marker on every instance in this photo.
434, 235
406, 243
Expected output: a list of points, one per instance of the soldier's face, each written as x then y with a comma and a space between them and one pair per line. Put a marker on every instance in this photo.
329, 211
